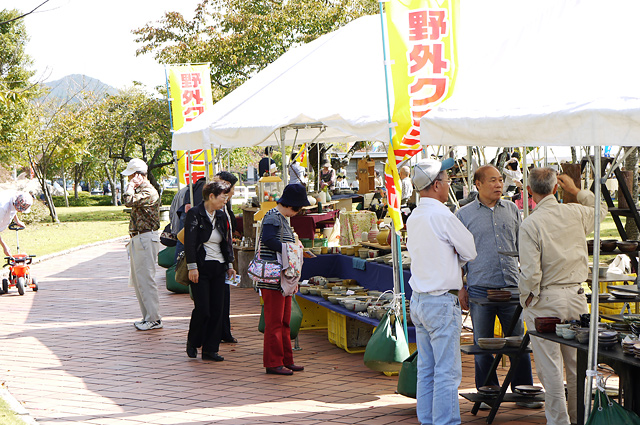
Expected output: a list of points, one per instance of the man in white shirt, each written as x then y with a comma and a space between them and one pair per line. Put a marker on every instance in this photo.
407, 187
10, 203
439, 245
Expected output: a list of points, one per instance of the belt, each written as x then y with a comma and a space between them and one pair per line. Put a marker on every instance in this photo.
136, 233
451, 291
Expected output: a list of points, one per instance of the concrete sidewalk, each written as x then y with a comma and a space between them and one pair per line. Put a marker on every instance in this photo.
72, 356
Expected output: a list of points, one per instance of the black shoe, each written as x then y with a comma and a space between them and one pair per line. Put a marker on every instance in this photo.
212, 356
191, 350
280, 370
231, 340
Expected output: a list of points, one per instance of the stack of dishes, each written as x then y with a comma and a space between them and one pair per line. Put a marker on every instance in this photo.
528, 390
636, 350
607, 339
491, 390
514, 341
498, 295
621, 295
635, 327
492, 343
621, 327
628, 347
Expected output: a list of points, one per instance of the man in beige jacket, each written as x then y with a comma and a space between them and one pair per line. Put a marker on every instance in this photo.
553, 264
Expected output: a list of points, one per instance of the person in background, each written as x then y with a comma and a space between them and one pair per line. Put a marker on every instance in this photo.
494, 224
276, 231
355, 184
513, 177
226, 321
209, 251
144, 201
439, 245
12, 202
327, 176
553, 264
519, 201
297, 173
341, 182
378, 180
407, 186
264, 166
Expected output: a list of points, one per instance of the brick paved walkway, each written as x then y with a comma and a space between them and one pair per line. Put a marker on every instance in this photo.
71, 355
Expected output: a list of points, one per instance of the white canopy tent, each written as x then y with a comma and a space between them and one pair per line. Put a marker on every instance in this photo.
335, 83
545, 73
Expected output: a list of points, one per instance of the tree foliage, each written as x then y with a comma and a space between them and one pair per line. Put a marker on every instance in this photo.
15, 88
239, 37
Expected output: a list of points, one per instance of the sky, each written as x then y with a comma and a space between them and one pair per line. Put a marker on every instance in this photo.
93, 37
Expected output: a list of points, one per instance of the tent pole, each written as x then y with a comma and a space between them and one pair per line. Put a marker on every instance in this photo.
398, 278
189, 162
592, 359
285, 175
525, 183
205, 152
469, 161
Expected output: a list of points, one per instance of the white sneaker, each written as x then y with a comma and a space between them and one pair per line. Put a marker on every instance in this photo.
147, 326
138, 323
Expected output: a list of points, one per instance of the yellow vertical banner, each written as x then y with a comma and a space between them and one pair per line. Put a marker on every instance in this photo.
302, 156
190, 94
423, 56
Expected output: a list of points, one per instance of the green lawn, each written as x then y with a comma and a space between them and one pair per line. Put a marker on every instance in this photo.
78, 226
8, 416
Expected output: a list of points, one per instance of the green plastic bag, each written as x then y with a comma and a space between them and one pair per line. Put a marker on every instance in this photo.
607, 412
172, 285
167, 257
408, 378
294, 323
387, 348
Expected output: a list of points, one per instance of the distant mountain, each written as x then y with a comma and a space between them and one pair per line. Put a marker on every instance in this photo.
70, 85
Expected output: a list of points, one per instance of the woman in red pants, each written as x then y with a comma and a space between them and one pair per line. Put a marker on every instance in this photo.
278, 355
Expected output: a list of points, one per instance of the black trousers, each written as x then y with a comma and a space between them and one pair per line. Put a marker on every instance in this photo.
205, 328
226, 321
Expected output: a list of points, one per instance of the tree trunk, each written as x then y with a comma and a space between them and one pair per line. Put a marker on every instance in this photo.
111, 179
316, 150
631, 164
574, 156
40, 171
355, 147
64, 187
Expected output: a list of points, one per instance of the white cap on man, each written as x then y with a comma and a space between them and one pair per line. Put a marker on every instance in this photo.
426, 171
136, 165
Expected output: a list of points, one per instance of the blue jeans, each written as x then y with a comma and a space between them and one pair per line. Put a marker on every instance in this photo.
483, 318
438, 321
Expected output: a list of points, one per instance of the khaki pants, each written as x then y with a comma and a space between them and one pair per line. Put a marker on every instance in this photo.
143, 255
565, 302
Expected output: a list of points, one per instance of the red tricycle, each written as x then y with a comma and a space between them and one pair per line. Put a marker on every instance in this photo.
19, 269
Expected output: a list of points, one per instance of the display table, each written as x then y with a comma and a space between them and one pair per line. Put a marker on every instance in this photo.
305, 225
376, 276
627, 368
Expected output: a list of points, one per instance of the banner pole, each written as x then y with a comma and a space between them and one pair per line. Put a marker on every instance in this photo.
395, 243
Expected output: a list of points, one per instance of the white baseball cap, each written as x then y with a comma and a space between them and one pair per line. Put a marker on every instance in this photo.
427, 170
136, 165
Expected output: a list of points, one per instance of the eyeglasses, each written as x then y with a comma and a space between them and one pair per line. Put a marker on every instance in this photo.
444, 181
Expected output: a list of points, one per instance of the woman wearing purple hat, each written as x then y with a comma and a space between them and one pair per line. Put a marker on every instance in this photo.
276, 231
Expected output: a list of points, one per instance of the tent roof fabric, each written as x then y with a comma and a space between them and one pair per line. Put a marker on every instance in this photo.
336, 80
549, 72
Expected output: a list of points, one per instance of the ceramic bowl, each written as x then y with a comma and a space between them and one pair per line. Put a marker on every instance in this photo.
608, 245
333, 299
568, 333
338, 288
304, 290
363, 253
514, 341
627, 246
314, 290
560, 327
582, 336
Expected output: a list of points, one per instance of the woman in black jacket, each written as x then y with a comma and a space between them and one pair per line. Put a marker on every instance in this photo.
209, 251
